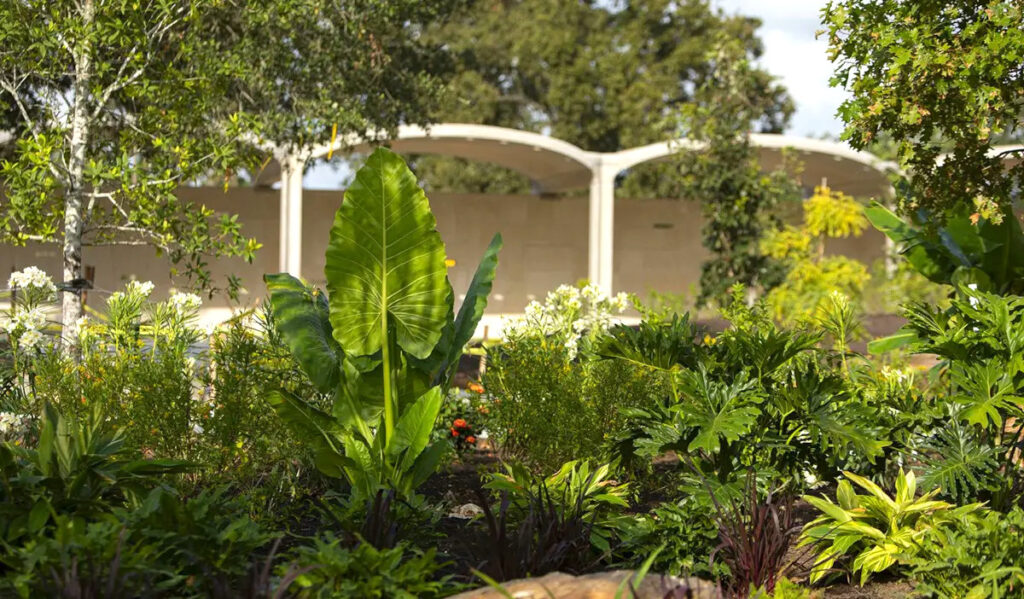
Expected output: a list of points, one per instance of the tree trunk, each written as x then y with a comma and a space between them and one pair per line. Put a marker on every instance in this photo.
74, 195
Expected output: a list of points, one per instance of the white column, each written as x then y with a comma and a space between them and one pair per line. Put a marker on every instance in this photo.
290, 254
602, 226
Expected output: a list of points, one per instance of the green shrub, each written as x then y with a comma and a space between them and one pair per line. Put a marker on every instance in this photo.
208, 540
686, 531
551, 403
76, 469
981, 556
86, 560
331, 570
756, 396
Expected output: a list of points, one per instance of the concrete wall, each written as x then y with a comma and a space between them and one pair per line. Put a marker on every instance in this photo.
657, 244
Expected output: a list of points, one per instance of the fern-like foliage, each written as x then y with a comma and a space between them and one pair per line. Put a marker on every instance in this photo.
958, 465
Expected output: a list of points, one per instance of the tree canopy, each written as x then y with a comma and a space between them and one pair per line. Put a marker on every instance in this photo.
115, 103
945, 80
604, 76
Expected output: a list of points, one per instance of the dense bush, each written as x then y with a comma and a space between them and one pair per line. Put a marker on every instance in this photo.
551, 402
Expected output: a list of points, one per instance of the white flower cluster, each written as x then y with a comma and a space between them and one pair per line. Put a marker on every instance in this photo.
32, 320
184, 303
136, 288
25, 326
569, 313
32, 278
11, 423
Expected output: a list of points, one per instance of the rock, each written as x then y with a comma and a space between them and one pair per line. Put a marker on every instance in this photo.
602, 585
466, 511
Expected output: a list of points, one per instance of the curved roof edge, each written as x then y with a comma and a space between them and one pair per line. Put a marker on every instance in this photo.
471, 132
656, 151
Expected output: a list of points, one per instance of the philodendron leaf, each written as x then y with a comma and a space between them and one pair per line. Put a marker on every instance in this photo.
301, 316
386, 262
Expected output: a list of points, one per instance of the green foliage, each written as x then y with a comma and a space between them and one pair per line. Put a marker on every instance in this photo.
85, 559
76, 469
331, 570
115, 104
208, 540
754, 396
549, 408
965, 250
980, 340
879, 530
386, 339
603, 76
934, 77
684, 529
577, 485
977, 556
812, 276
738, 201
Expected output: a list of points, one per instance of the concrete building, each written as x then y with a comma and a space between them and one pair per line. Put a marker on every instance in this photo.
554, 237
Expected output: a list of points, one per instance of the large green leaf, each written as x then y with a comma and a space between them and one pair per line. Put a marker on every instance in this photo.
412, 433
716, 410
301, 315
929, 259
473, 306
386, 263
314, 426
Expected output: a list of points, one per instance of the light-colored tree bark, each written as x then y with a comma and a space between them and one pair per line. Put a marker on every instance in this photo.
71, 304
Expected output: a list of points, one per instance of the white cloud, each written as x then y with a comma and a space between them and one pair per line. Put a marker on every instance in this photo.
794, 55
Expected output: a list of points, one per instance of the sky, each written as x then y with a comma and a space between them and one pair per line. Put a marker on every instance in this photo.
797, 58
791, 53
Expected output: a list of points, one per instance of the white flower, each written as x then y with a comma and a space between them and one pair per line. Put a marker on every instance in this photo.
32, 278
621, 301
185, 302
29, 339
572, 347
197, 429
33, 319
9, 421
137, 288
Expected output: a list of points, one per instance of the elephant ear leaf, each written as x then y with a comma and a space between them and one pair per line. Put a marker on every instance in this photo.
386, 263
316, 427
472, 308
301, 316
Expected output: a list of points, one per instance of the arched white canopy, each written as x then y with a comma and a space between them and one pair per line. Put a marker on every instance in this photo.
557, 166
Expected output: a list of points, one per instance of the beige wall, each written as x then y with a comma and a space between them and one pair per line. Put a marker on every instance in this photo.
657, 244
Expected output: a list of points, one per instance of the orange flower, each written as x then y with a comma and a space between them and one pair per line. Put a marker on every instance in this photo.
483, 410
471, 439
475, 387
455, 433
974, 218
459, 423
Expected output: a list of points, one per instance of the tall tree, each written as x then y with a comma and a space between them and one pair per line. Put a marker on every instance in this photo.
118, 102
602, 75
938, 76
739, 202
